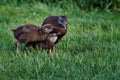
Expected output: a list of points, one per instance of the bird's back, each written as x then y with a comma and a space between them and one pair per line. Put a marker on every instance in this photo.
23, 29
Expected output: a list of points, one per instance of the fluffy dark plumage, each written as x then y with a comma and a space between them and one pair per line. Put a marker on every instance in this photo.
57, 21
47, 44
60, 23
24, 28
31, 33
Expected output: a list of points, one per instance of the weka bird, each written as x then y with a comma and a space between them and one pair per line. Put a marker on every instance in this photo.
31, 33
60, 22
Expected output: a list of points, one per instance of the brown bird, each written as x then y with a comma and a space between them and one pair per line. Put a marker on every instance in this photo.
31, 33
47, 44
60, 22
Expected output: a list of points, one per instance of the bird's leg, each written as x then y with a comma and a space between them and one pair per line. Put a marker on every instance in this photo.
26, 46
17, 45
53, 48
49, 51
54, 51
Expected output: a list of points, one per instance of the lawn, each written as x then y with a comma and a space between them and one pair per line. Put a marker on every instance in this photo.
89, 51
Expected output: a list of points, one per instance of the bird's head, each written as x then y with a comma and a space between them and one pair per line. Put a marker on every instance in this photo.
63, 21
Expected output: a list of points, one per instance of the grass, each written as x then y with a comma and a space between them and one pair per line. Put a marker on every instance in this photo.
89, 51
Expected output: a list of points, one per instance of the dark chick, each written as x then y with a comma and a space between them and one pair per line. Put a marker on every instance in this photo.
60, 22
31, 33
47, 44
57, 21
